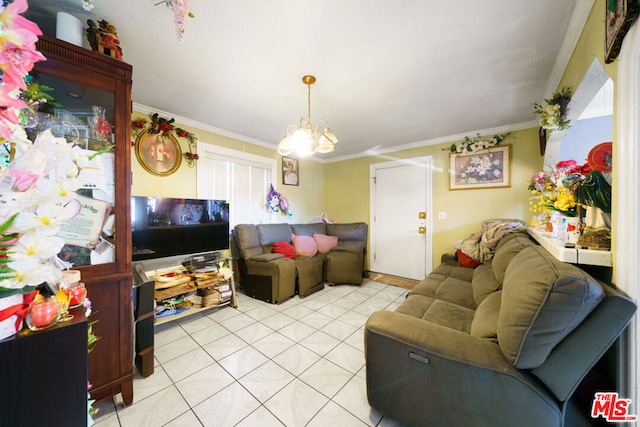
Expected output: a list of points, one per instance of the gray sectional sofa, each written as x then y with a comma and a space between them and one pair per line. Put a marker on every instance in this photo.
273, 278
504, 344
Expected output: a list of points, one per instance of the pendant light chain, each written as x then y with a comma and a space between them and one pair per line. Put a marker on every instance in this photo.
309, 103
307, 140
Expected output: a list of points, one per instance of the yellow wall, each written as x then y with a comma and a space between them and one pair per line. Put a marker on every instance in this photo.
306, 200
347, 190
342, 188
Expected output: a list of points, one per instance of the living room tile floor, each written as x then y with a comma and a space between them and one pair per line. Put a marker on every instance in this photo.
298, 363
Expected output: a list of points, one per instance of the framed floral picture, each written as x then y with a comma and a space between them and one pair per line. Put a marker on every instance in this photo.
290, 171
488, 168
619, 16
158, 153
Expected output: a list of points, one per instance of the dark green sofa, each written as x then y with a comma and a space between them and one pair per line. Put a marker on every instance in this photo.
505, 344
273, 278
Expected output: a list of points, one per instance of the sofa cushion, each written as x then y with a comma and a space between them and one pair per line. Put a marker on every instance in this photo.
484, 282
285, 249
308, 229
437, 311
506, 249
304, 245
349, 246
250, 253
266, 257
271, 233
248, 240
543, 300
485, 320
446, 288
453, 270
354, 231
324, 242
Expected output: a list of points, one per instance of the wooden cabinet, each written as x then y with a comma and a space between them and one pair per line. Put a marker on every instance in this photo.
43, 376
82, 80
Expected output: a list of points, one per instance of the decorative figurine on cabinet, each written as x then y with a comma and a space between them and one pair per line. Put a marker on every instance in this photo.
104, 38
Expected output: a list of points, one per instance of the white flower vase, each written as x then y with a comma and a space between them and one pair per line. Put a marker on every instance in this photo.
573, 229
8, 325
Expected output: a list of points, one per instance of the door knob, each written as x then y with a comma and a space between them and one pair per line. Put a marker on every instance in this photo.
422, 215
422, 230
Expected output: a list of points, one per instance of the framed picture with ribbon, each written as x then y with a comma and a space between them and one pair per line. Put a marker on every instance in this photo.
158, 153
620, 14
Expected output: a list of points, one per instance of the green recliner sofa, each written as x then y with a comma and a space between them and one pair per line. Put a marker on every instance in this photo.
273, 278
504, 344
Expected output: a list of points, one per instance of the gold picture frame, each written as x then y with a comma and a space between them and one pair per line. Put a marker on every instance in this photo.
490, 168
159, 154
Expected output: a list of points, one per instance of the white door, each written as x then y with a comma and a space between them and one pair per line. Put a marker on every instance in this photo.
401, 220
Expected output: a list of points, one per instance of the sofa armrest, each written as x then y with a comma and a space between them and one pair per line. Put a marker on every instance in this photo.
437, 340
450, 259
280, 270
422, 373
266, 257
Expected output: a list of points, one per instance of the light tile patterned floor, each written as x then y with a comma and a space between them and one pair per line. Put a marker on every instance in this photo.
298, 363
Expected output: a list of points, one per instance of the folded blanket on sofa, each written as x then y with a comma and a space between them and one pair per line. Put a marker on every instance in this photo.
481, 245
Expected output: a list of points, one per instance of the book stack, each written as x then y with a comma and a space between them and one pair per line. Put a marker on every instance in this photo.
212, 289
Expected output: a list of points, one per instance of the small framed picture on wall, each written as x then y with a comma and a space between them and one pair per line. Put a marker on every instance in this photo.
290, 171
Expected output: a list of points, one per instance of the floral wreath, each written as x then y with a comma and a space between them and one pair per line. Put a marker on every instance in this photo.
477, 143
160, 125
554, 114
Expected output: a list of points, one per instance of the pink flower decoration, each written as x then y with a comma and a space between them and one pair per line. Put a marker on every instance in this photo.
18, 37
23, 179
180, 14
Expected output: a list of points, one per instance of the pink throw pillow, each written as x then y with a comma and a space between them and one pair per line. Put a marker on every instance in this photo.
304, 245
324, 242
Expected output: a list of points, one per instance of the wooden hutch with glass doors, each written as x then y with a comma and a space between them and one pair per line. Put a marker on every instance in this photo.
95, 96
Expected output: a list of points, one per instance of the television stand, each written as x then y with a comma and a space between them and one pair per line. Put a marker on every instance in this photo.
203, 291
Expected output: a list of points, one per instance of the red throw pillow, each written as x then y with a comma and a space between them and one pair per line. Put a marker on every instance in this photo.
285, 249
465, 260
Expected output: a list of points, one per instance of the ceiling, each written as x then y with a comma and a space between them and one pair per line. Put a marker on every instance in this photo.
390, 73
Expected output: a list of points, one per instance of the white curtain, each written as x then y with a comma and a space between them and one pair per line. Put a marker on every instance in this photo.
240, 178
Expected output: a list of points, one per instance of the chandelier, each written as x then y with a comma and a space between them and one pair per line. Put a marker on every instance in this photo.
304, 140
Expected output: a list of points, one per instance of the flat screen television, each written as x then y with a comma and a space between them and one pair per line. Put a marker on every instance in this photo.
163, 227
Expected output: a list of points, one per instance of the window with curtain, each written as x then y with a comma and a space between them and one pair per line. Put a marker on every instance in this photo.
242, 179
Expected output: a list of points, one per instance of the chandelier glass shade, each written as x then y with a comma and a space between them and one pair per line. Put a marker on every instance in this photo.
305, 140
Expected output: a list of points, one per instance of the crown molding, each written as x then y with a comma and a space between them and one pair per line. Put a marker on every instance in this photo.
140, 108
436, 141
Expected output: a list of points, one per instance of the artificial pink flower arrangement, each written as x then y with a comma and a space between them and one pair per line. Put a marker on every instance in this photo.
18, 37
